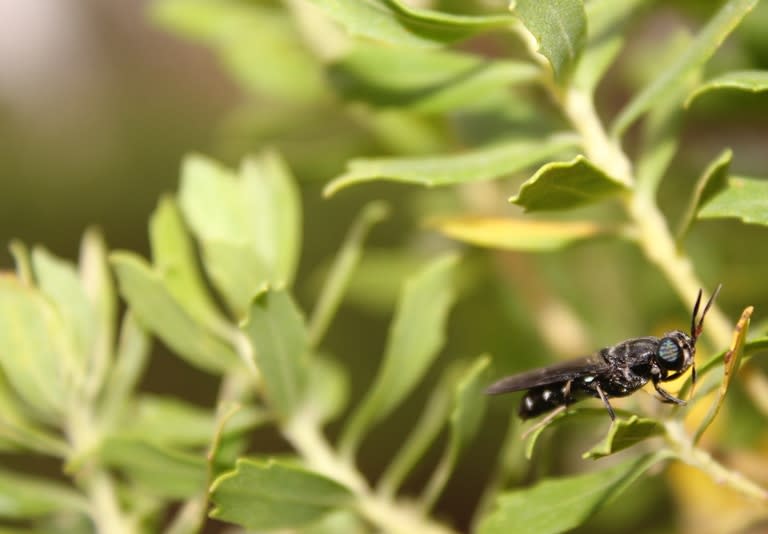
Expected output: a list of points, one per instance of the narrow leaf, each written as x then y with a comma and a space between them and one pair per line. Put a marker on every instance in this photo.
743, 198
341, 271
416, 335
560, 29
392, 22
704, 46
480, 164
34, 346
712, 181
430, 81
517, 234
278, 335
328, 389
273, 495
467, 412
23, 263
567, 184
533, 434
562, 504
753, 81
731, 362
26, 497
623, 434
157, 310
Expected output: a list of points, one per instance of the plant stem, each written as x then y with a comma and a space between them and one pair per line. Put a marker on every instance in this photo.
105, 510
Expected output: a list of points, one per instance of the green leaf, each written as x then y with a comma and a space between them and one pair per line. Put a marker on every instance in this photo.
58, 280
328, 389
562, 504
416, 335
175, 260
711, 182
560, 30
703, 47
517, 234
26, 497
623, 434
392, 22
273, 495
731, 362
278, 335
753, 81
429, 81
339, 275
467, 412
566, 184
23, 263
157, 310
249, 226
533, 434
743, 198
158, 468
483, 163
246, 36
35, 348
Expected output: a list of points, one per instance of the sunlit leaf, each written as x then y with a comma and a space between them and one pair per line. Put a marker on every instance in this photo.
517, 234
560, 30
328, 389
160, 313
278, 335
567, 184
703, 47
416, 335
479, 164
625, 433
393, 22
561, 504
743, 198
429, 81
26, 497
752, 81
274, 495
731, 362
712, 181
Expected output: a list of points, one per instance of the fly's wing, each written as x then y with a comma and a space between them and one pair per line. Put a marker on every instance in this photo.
560, 372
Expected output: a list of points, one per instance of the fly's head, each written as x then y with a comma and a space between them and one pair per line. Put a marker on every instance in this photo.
677, 349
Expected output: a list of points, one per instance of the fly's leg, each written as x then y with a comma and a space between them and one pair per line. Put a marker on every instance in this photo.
666, 396
604, 398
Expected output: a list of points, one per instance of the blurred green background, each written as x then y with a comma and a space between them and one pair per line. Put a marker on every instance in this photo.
98, 104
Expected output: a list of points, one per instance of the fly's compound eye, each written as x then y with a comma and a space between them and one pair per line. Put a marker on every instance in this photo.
670, 354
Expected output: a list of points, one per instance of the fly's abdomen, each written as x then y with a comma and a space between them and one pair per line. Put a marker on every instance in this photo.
539, 400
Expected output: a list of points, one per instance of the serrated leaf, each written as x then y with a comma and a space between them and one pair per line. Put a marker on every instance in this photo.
465, 417
416, 335
623, 434
340, 272
278, 335
561, 504
26, 497
731, 362
245, 36
428, 81
743, 198
567, 184
158, 468
273, 495
711, 182
174, 259
560, 30
517, 234
34, 346
483, 163
157, 310
249, 225
58, 280
703, 47
752, 81
392, 22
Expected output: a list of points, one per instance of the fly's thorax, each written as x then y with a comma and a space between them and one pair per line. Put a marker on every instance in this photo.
675, 351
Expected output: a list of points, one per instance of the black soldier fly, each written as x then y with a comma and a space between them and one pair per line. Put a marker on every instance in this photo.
615, 371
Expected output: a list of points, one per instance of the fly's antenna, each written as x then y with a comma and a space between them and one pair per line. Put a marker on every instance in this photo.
697, 327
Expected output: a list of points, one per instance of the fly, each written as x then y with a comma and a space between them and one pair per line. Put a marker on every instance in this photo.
615, 371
